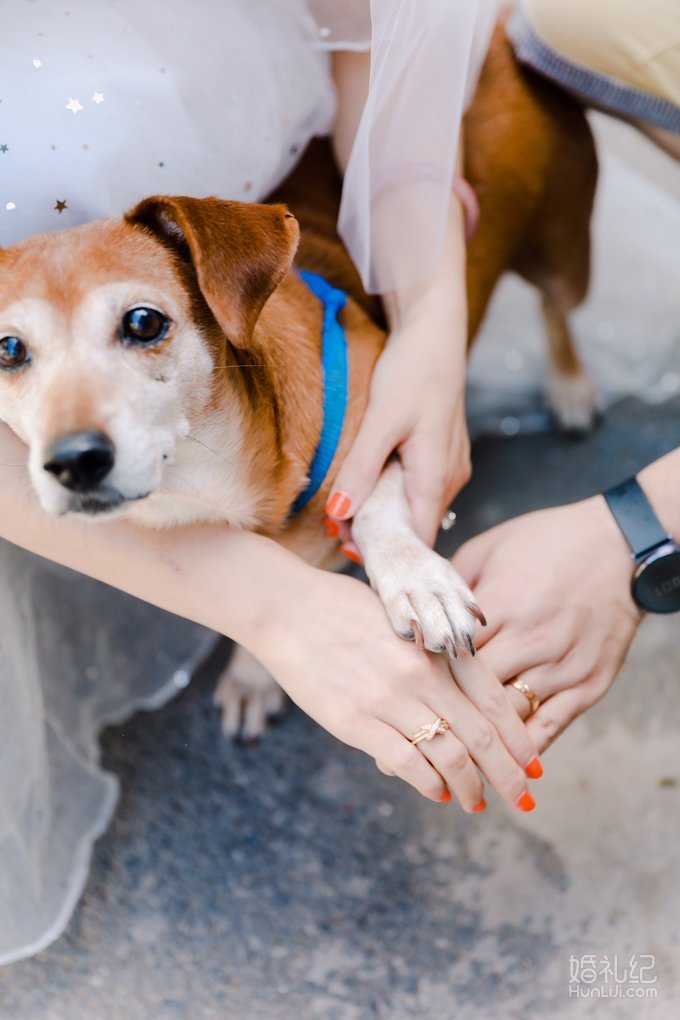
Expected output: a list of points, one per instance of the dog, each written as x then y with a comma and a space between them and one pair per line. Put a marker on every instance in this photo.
166, 366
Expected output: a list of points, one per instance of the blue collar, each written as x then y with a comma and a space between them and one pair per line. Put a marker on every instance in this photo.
335, 374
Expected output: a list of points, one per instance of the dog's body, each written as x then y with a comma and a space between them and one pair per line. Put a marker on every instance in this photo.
216, 415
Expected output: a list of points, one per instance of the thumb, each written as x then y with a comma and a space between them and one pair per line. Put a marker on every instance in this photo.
360, 469
469, 559
424, 485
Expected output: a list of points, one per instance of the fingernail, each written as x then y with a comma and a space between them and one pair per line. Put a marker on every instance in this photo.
332, 529
480, 807
445, 797
534, 769
352, 553
338, 505
526, 802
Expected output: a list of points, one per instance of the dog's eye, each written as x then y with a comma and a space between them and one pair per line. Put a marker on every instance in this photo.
13, 352
144, 325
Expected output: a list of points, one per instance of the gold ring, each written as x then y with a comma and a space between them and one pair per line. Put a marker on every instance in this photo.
430, 730
530, 695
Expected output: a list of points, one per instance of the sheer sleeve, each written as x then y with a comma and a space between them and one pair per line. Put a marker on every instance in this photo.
425, 59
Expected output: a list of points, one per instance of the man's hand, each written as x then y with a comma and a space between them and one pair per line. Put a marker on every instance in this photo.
555, 586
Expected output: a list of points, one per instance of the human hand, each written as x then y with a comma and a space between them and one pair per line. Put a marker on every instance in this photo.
416, 407
333, 651
555, 586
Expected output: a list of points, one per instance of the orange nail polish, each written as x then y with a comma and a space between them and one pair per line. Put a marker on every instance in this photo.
480, 807
445, 797
526, 802
338, 505
534, 769
351, 554
332, 529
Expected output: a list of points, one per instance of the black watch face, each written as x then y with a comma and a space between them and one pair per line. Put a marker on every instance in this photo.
656, 585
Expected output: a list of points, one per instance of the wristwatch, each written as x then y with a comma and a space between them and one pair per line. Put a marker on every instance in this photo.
656, 582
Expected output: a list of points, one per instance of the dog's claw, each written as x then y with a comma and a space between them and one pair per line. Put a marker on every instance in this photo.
450, 647
470, 644
418, 634
477, 613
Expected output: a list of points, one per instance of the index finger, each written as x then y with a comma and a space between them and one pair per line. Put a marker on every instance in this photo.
482, 687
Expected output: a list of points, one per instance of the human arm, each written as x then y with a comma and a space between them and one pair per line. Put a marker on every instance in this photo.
556, 589
325, 638
417, 397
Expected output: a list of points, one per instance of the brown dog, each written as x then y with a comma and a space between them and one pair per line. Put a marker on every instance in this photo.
166, 366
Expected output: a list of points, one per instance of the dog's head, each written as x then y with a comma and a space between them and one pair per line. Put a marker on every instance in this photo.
112, 336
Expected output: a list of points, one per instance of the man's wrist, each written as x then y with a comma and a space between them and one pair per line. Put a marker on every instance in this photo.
608, 547
661, 484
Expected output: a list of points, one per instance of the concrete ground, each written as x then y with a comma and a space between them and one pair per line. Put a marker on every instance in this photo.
294, 880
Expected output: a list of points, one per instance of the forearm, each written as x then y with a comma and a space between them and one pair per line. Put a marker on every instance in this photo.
437, 305
661, 482
234, 582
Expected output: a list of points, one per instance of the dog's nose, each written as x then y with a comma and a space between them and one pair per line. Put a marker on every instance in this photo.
80, 461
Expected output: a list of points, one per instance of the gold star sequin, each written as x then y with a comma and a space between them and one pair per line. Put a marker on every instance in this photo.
60, 206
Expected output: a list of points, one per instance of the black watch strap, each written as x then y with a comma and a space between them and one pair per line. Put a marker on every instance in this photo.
634, 515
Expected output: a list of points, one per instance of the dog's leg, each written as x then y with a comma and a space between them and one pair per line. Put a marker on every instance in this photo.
425, 598
248, 696
570, 392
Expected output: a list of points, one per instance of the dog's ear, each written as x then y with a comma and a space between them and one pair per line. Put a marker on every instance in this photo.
240, 251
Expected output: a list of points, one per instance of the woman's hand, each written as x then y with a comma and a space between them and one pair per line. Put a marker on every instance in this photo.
331, 648
555, 586
416, 407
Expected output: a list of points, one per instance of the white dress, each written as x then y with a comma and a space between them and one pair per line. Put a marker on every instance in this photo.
101, 105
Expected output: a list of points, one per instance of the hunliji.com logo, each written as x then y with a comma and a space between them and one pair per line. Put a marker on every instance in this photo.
611, 977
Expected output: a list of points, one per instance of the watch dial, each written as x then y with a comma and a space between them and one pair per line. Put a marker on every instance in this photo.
656, 586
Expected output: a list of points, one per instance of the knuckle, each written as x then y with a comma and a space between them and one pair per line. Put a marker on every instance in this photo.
350, 723
455, 758
550, 726
483, 738
376, 696
495, 701
405, 759
512, 778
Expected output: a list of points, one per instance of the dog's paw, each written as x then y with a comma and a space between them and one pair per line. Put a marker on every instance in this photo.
248, 697
574, 401
428, 601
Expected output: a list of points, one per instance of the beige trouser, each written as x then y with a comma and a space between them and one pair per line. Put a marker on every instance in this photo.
635, 41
